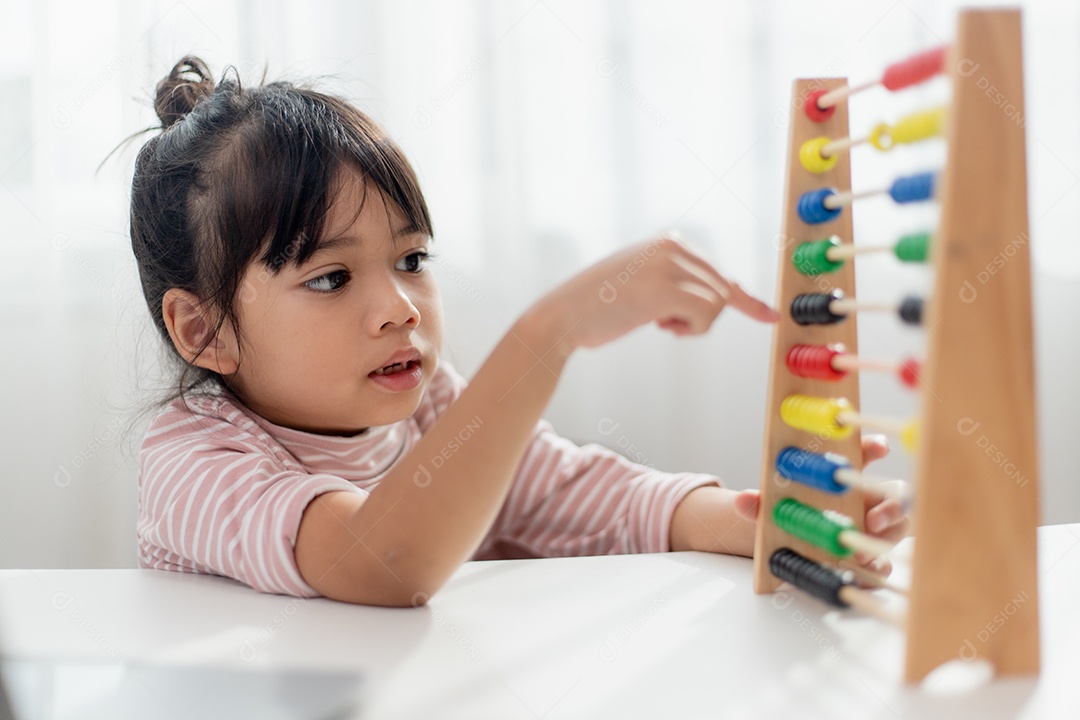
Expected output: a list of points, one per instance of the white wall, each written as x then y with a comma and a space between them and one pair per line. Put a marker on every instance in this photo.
546, 135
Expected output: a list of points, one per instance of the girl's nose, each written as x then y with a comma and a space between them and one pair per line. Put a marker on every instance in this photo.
394, 308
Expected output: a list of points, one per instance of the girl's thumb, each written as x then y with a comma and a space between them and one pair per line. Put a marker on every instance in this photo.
747, 504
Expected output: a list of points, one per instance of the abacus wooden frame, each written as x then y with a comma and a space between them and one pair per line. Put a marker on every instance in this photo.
974, 587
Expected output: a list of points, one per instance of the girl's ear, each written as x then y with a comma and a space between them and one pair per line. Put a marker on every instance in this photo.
189, 324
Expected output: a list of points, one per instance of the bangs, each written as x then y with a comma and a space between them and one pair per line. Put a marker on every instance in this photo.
291, 160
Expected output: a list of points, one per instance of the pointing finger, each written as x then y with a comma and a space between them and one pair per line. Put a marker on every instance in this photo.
749, 305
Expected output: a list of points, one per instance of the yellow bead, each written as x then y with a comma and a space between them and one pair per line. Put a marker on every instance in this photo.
919, 126
811, 158
816, 415
910, 436
913, 128
881, 137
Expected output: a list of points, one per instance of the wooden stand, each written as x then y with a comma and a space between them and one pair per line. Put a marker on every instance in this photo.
974, 577
786, 333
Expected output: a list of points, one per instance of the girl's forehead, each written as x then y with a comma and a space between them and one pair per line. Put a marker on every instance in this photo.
356, 203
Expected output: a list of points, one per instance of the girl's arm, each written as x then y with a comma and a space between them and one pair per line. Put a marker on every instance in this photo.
399, 544
707, 519
569, 500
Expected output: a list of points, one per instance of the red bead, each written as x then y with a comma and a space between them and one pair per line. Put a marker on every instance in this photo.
909, 372
814, 361
915, 69
813, 111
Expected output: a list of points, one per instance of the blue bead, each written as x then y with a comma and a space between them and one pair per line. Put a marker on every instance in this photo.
913, 188
811, 469
811, 207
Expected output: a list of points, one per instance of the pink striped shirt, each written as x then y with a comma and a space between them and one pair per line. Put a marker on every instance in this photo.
222, 490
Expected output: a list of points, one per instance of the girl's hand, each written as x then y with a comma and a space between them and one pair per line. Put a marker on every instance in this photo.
662, 281
884, 518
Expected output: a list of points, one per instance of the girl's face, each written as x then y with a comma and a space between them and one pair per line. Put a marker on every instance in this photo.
314, 336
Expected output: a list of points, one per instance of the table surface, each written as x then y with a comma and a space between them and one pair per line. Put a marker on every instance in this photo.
645, 636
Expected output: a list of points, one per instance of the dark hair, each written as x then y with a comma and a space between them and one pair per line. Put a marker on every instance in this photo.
241, 175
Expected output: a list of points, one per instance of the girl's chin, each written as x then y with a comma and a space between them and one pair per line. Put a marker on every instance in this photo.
342, 419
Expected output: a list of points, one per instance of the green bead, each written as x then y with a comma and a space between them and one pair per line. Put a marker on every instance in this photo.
810, 525
811, 258
913, 248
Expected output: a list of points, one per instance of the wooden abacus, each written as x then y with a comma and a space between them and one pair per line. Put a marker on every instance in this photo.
974, 519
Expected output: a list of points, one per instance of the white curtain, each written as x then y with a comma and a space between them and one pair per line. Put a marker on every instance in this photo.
546, 134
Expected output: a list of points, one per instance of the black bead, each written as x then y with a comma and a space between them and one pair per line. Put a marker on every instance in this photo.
808, 576
911, 310
813, 308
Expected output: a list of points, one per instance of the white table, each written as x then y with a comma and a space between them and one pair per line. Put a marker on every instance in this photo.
647, 636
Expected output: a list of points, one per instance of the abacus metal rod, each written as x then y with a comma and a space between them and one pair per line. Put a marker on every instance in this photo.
835, 96
825, 204
873, 422
912, 128
869, 577
840, 145
829, 532
905, 73
841, 199
833, 473
847, 363
825, 309
880, 484
868, 544
837, 417
866, 603
846, 306
827, 255
849, 250
833, 362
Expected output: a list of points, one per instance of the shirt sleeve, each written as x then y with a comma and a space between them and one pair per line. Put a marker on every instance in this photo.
588, 500
210, 502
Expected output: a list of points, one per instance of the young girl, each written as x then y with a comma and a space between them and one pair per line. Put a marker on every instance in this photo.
317, 445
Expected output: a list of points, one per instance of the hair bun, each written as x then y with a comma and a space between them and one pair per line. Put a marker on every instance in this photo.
186, 84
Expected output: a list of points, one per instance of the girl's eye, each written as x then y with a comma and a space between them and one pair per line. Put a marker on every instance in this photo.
414, 262
329, 282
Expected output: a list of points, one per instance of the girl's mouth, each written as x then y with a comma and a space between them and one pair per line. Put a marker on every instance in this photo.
398, 377
396, 368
